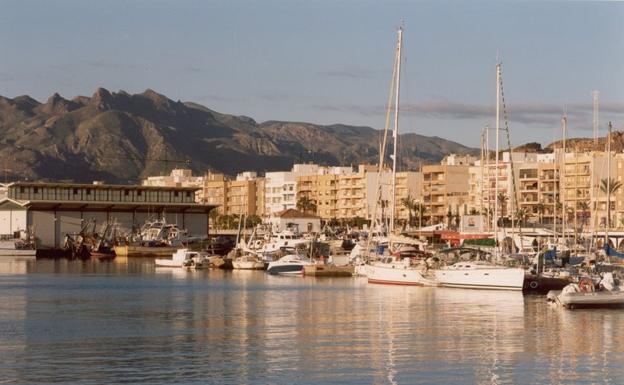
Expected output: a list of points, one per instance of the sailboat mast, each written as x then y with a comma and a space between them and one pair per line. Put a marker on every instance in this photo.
562, 183
395, 132
608, 186
497, 156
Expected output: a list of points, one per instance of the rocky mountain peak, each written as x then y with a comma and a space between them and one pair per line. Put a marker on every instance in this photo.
102, 99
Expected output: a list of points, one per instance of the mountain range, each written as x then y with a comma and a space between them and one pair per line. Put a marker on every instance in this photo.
121, 137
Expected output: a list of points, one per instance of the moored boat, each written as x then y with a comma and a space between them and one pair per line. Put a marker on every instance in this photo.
480, 275
146, 250
248, 262
183, 258
288, 265
399, 272
586, 294
328, 270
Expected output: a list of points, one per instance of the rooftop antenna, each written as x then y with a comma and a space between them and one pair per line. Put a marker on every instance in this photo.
595, 120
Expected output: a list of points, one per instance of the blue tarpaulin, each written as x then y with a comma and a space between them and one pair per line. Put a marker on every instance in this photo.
612, 252
550, 254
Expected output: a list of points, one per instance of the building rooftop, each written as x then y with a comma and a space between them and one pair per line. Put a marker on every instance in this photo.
97, 186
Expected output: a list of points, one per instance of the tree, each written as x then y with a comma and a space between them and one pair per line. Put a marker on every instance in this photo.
502, 198
613, 185
213, 216
410, 204
609, 187
540, 212
584, 214
306, 204
449, 218
521, 216
252, 221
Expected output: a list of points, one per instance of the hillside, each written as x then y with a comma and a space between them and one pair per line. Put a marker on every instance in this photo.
119, 137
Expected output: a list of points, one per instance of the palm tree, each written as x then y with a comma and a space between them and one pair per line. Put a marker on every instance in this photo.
420, 209
584, 208
609, 187
613, 185
502, 198
410, 205
521, 216
449, 217
306, 204
540, 212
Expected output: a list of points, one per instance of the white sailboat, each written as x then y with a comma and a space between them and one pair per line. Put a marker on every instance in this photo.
393, 269
481, 274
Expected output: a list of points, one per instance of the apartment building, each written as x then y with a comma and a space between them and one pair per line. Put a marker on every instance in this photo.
234, 196
322, 189
179, 177
445, 189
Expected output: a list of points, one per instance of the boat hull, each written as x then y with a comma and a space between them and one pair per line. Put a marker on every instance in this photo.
248, 265
286, 269
397, 274
18, 253
485, 279
599, 299
131, 251
328, 271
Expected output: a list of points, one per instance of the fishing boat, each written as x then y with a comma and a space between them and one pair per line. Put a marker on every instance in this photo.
587, 294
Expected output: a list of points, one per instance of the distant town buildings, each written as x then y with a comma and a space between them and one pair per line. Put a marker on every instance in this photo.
548, 189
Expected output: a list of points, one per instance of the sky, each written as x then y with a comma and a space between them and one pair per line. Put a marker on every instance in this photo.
329, 62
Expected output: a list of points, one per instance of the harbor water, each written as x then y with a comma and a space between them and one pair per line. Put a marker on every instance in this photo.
126, 321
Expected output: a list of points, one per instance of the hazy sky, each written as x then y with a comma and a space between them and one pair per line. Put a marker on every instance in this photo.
330, 61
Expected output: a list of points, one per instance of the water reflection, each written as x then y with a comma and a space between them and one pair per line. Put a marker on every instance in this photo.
124, 322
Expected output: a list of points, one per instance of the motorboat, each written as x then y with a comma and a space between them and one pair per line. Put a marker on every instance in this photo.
289, 265
406, 271
480, 275
248, 262
184, 258
587, 294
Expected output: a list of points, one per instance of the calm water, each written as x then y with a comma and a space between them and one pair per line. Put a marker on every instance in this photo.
125, 322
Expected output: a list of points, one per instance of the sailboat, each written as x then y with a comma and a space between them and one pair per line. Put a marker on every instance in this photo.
397, 268
482, 274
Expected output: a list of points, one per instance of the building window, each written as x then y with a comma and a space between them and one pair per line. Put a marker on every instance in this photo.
36, 190
21, 190
88, 191
126, 192
75, 191
188, 194
176, 194
139, 193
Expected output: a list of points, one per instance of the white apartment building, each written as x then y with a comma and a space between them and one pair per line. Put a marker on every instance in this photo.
280, 189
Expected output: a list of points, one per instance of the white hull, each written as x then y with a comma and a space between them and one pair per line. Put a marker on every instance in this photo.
167, 263
17, 253
288, 265
248, 265
397, 274
595, 299
482, 278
